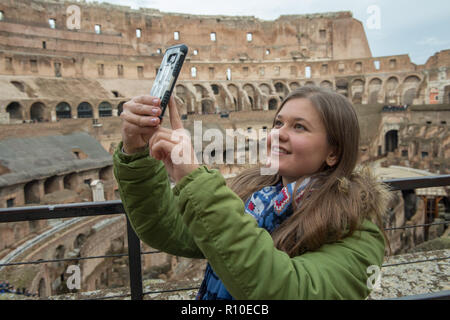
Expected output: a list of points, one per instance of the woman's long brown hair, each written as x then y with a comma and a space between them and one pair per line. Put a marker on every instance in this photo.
340, 198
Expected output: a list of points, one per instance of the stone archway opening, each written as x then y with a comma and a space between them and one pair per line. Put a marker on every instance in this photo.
42, 288
411, 88
342, 87
251, 93
326, 84
391, 141
281, 90
185, 96
207, 107
38, 112
51, 185
15, 111
105, 109
63, 111
71, 181
32, 194
273, 104
106, 173
84, 110
79, 241
234, 91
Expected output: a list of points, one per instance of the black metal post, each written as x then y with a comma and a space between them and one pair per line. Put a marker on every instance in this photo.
134, 258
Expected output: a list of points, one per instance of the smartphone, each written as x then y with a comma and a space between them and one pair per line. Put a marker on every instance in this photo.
167, 74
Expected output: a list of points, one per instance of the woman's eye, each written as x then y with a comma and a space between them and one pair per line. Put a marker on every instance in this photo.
278, 123
299, 126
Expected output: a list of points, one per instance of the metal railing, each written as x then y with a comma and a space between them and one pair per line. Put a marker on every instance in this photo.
115, 207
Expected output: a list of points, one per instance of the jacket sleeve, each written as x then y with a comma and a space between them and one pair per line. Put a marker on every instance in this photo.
150, 204
246, 260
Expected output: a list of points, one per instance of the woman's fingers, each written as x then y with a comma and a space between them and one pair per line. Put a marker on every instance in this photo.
148, 100
161, 149
165, 134
142, 111
175, 119
131, 129
139, 120
178, 139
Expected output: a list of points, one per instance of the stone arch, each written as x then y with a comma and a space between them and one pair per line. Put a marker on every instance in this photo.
51, 184
234, 91
357, 89
63, 111
71, 181
42, 288
342, 86
79, 241
15, 111
223, 99
215, 88
202, 92
249, 89
410, 89
273, 104
208, 106
31, 192
281, 89
310, 83
265, 89
391, 91
39, 112
105, 109
106, 173
294, 85
326, 84
84, 110
186, 98
391, 141
220, 98
374, 90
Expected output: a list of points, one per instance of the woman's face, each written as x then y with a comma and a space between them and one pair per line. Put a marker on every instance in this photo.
303, 147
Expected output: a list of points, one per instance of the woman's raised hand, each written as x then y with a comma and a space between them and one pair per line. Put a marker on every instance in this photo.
139, 122
173, 146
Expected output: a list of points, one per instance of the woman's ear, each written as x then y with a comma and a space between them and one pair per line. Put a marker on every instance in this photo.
332, 158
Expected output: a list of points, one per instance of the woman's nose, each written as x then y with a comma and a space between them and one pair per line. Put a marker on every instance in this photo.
283, 134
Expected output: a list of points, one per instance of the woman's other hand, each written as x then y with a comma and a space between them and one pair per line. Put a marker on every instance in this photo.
174, 147
139, 122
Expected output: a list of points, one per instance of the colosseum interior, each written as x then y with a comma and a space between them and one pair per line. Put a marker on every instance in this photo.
67, 68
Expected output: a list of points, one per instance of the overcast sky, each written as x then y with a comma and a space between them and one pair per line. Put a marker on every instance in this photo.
417, 28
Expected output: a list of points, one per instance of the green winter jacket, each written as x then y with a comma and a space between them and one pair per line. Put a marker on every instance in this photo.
202, 218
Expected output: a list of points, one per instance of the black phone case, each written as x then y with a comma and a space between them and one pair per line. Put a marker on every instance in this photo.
168, 74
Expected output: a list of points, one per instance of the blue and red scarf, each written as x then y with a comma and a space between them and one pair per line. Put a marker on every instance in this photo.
270, 206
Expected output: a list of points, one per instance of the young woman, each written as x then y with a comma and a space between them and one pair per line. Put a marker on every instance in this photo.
308, 232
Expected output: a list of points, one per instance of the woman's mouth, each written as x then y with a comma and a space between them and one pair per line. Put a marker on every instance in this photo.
279, 151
